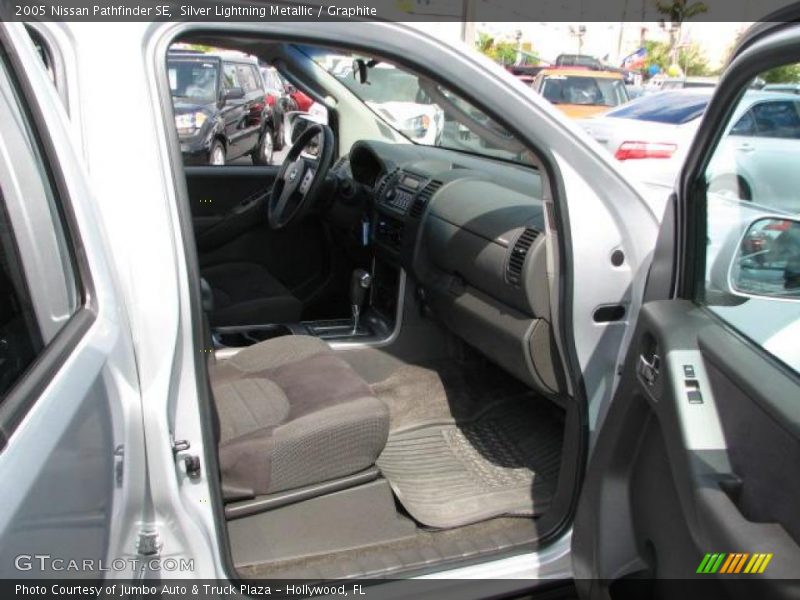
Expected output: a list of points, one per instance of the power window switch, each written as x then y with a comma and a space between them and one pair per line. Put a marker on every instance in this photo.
694, 396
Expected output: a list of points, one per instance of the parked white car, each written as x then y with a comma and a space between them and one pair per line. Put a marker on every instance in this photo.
652, 135
758, 156
421, 123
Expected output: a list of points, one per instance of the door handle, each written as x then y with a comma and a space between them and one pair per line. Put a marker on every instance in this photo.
649, 369
251, 201
745, 148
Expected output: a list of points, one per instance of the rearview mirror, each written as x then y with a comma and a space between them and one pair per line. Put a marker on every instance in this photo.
360, 73
766, 262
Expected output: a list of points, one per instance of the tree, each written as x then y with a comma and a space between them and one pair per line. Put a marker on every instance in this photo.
503, 52
783, 74
484, 43
677, 12
690, 59
693, 62
201, 47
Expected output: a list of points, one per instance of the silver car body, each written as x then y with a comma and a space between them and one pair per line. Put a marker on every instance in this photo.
143, 353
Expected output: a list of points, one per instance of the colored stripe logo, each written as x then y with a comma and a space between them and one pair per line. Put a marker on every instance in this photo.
734, 563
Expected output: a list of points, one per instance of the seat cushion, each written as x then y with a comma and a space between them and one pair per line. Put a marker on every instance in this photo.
247, 294
291, 414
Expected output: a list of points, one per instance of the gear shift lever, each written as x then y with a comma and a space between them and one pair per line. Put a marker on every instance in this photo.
359, 284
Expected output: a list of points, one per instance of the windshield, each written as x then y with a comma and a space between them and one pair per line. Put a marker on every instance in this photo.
194, 80
586, 91
675, 108
386, 84
422, 111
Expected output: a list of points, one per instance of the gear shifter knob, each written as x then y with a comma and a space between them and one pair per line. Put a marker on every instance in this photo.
359, 284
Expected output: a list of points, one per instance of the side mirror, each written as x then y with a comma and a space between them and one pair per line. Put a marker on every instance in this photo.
235, 93
766, 261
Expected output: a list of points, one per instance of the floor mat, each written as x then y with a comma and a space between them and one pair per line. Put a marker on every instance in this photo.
444, 390
503, 461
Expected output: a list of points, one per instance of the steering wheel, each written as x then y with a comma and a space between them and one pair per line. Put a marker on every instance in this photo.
300, 178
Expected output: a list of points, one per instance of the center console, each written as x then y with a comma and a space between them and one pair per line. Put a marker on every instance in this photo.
400, 200
378, 318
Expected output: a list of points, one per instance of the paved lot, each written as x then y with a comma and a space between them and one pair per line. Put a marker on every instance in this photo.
246, 160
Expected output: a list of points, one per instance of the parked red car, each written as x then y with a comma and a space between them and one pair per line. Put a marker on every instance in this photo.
302, 100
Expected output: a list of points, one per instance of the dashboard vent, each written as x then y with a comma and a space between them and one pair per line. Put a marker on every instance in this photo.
381, 188
422, 198
519, 252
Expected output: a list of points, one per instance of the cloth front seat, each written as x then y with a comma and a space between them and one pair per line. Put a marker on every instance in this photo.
292, 413
247, 294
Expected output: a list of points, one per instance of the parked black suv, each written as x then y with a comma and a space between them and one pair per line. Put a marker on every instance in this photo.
221, 112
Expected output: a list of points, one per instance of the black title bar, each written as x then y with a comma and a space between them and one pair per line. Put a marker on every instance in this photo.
387, 10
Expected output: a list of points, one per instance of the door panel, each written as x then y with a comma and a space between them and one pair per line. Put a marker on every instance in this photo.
698, 455
229, 215
761, 421
226, 201
71, 437
693, 486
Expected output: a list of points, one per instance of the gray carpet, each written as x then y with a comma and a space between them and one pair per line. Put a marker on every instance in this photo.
503, 460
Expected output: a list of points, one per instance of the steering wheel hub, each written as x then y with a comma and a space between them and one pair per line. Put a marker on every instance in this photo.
301, 177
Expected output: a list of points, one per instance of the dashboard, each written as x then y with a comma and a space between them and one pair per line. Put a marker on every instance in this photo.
470, 234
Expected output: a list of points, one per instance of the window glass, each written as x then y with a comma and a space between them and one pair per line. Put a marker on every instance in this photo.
745, 126
230, 77
274, 81
193, 80
588, 91
247, 78
39, 287
420, 110
20, 338
752, 272
777, 118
